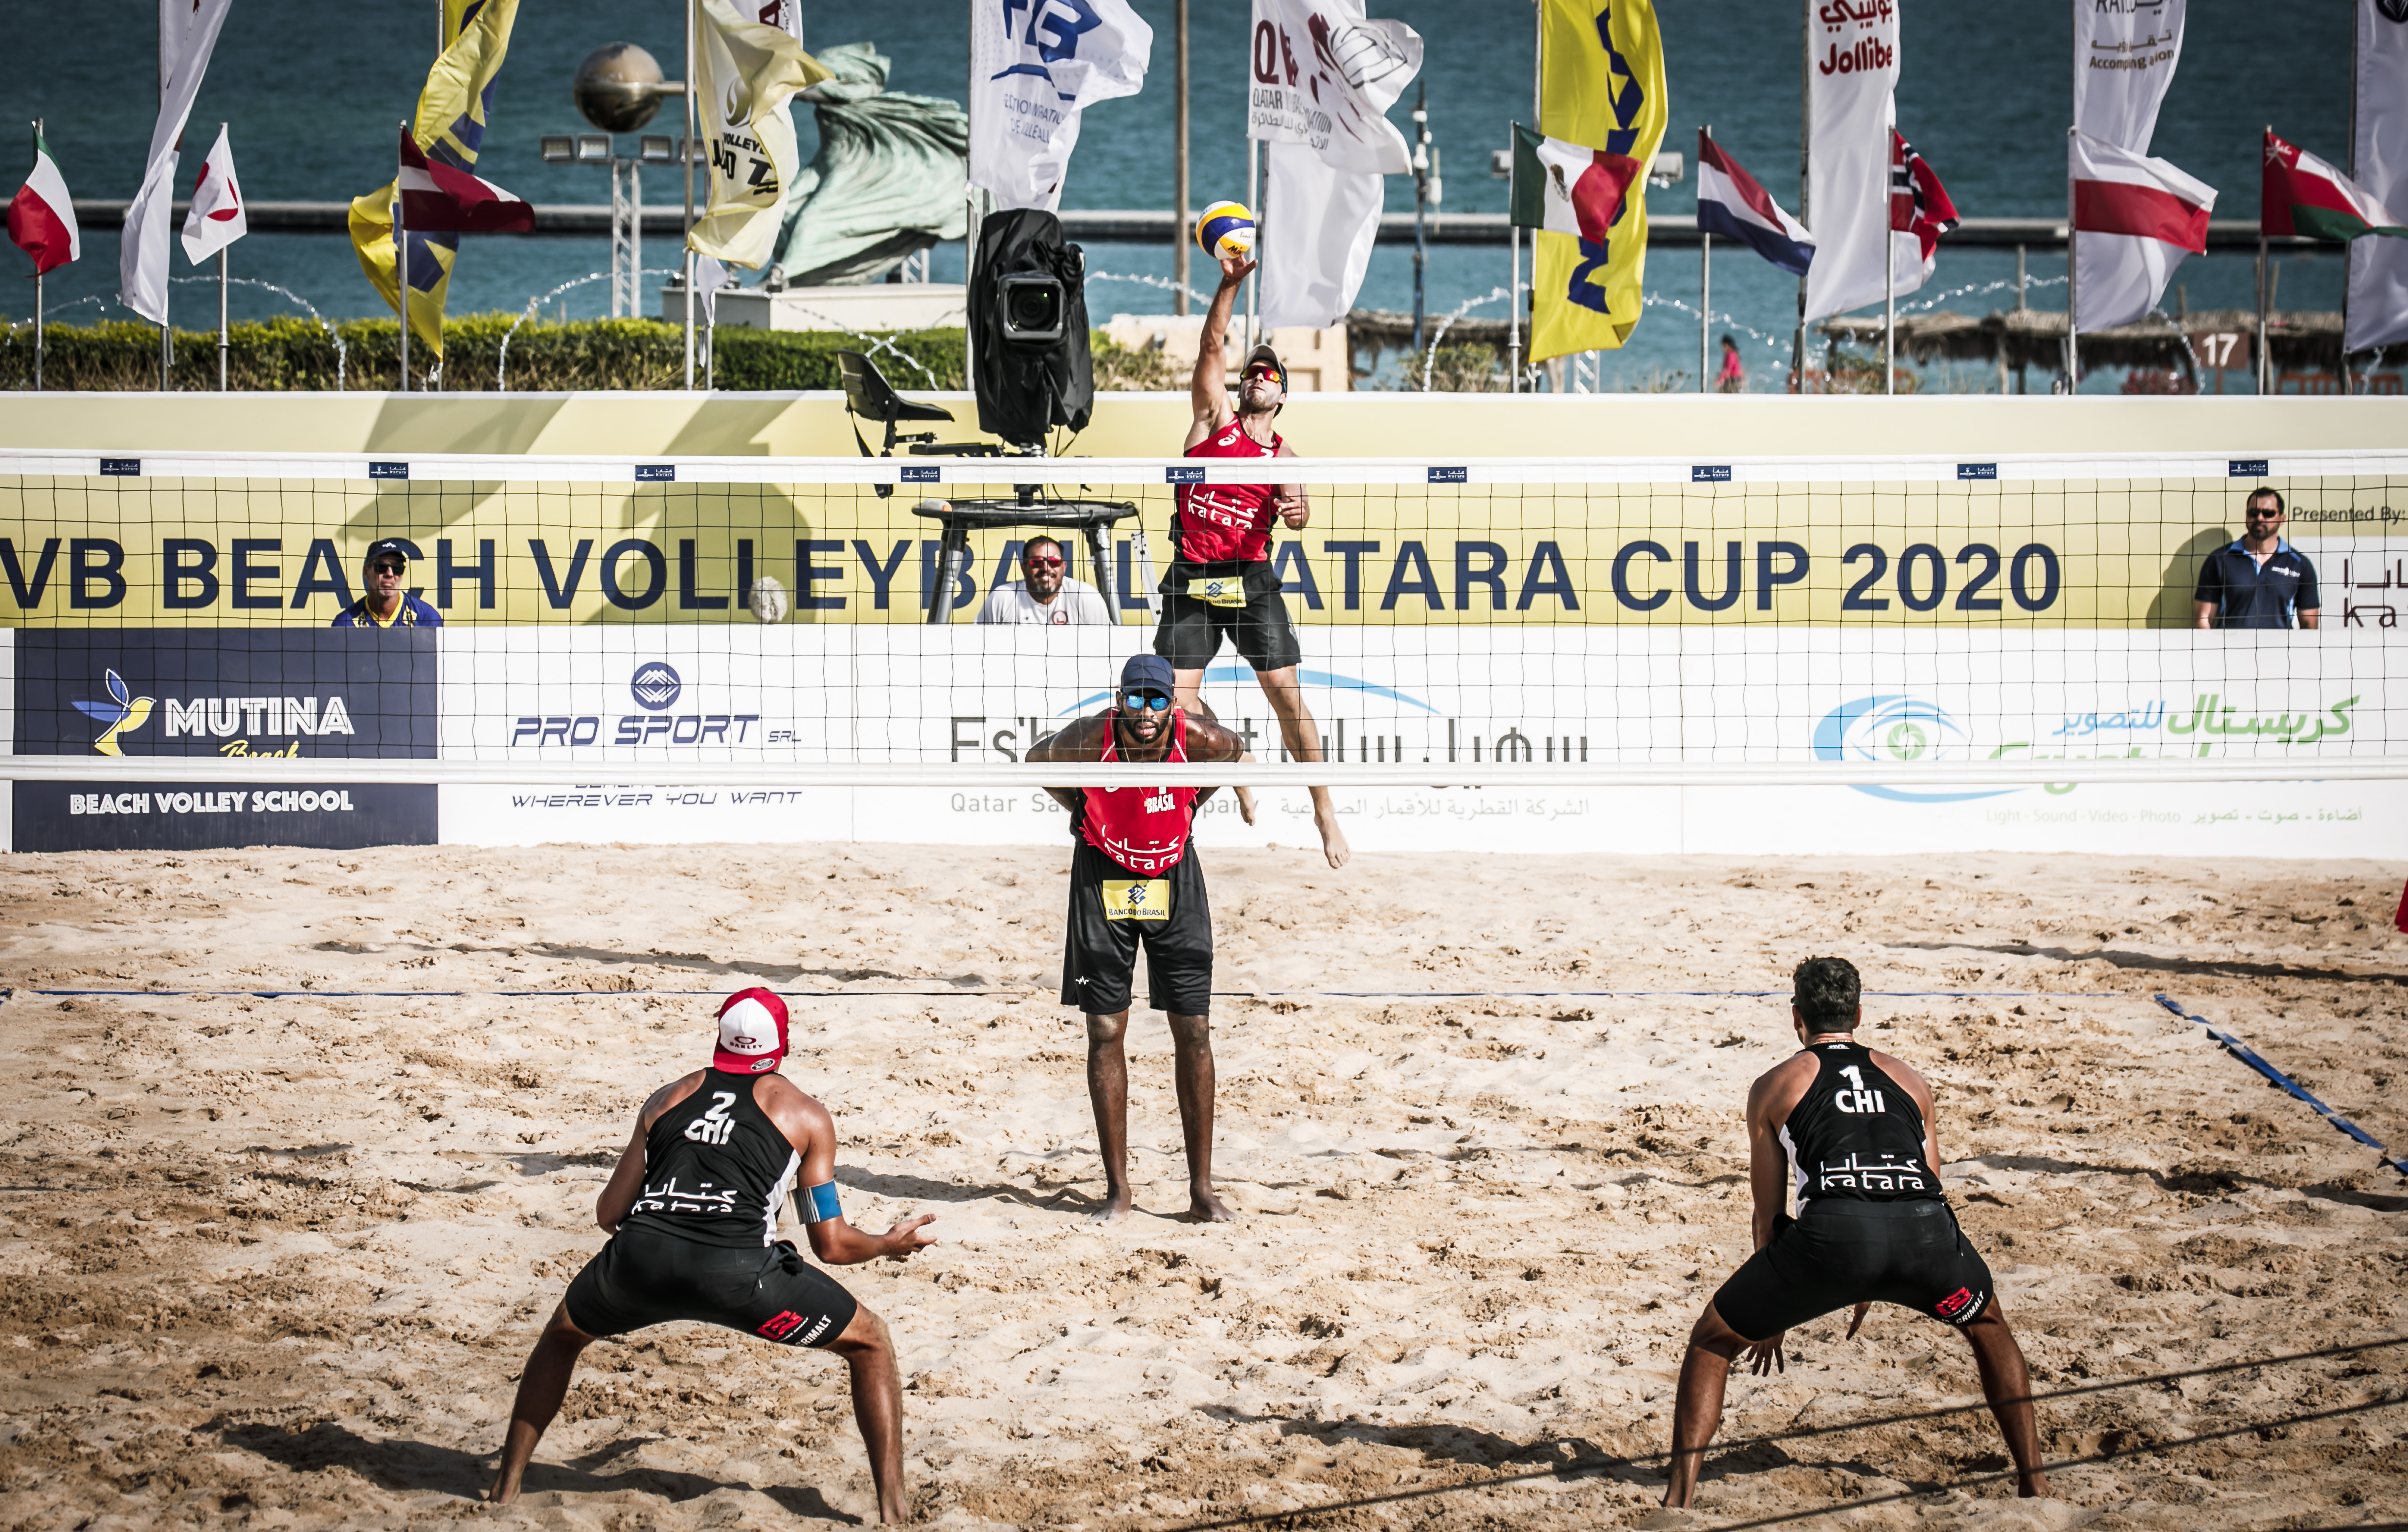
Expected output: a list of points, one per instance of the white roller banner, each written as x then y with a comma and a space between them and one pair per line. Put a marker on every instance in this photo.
1853, 70
1035, 65
2377, 302
2124, 55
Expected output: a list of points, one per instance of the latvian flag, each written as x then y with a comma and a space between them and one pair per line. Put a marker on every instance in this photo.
2302, 194
41, 216
1732, 204
2134, 219
439, 198
1567, 187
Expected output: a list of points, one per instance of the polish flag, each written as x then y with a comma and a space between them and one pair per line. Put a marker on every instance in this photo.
41, 216
2134, 219
218, 216
1732, 203
439, 198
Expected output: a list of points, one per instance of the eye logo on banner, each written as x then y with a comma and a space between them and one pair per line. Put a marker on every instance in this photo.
655, 686
122, 713
1896, 728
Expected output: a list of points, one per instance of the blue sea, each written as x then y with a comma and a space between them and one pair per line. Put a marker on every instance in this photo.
313, 93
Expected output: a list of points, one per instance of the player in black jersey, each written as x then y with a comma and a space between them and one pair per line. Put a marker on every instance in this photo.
691, 1213
1850, 1131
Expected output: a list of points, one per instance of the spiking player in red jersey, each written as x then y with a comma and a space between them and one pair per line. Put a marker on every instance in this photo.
1220, 579
1135, 878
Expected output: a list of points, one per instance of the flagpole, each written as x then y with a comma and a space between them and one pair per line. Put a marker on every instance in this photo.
688, 157
401, 261
1254, 205
1179, 269
1705, 279
1805, 177
2072, 278
37, 278
1889, 288
222, 300
1538, 107
971, 204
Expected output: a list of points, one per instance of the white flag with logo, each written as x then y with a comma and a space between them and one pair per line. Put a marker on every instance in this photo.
1852, 58
746, 74
142, 252
217, 217
1323, 77
1035, 65
2376, 307
2124, 58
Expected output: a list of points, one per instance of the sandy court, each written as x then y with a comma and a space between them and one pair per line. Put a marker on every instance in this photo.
276, 1262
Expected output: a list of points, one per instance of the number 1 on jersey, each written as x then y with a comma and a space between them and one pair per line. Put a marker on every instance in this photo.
1860, 1099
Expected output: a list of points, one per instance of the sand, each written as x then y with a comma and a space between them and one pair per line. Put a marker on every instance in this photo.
276, 1262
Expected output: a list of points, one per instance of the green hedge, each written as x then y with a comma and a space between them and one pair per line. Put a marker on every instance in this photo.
288, 353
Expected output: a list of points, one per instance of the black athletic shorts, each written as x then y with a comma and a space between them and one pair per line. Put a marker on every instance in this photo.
1840, 1254
644, 1277
1110, 916
1200, 602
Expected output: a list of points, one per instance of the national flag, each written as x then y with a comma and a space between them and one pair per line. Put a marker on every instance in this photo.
747, 71
218, 216
1567, 189
1732, 204
142, 249
1920, 212
2299, 193
1601, 89
454, 108
441, 200
2134, 219
41, 216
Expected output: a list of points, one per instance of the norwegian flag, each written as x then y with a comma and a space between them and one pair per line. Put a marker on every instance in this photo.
439, 198
1918, 205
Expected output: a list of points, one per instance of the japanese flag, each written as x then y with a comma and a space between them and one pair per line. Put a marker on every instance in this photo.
216, 218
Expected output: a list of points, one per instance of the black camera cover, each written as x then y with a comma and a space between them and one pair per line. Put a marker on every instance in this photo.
1026, 386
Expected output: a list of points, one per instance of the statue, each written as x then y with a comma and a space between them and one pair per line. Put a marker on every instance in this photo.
887, 182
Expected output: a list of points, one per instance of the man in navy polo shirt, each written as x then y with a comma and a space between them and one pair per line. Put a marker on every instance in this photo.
386, 604
2260, 581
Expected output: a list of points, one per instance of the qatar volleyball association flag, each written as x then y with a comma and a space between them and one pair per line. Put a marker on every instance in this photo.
217, 217
1732, 204
2134, 220
41, 216
2299, 193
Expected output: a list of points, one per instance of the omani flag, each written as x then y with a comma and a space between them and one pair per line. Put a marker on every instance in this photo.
2302, 194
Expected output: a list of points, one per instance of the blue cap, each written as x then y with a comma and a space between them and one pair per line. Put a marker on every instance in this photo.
1148, 672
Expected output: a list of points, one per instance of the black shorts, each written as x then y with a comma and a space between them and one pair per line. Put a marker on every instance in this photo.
644, 1277
1100, 955
1245, 604
1840, 1254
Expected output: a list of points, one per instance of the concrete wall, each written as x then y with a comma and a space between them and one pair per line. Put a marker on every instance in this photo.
1417, 426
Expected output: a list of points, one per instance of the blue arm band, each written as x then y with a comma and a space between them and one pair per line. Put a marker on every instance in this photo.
818, 1204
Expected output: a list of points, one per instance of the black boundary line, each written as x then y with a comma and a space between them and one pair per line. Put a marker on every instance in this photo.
1591, 1465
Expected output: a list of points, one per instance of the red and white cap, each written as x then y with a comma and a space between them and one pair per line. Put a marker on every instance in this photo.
752, 1033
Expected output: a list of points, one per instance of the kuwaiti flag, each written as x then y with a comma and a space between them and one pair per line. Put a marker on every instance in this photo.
437, 198
218, 216
2302, 194
1731, 204
1568, 187
41, 216
2134, 220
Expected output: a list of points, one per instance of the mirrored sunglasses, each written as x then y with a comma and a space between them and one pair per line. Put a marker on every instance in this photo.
1145, 702
1039, 561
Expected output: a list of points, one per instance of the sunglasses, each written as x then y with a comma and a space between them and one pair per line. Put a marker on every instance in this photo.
1152, 702
1038, 561
2260, 513
385, 566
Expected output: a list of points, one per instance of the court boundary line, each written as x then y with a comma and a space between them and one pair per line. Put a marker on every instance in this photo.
2249, 1056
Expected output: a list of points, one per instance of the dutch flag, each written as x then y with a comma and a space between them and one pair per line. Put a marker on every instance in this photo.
1732, 204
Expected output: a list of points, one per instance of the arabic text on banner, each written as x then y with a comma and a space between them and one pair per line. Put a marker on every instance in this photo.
1853, 46
2124, 59
1602, 86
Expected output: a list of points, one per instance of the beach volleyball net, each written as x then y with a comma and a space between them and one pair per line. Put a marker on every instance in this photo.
1910, 620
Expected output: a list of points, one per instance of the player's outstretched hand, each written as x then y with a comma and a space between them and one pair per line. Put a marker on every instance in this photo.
906, 1239
1236, 269
1765, 1356
1857, 1319
1292, 509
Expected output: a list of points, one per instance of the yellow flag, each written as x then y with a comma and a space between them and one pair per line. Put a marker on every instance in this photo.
1602, 86
749, 72
450, 126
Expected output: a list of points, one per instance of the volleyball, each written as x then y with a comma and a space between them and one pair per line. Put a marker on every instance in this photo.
769, 600
1227, 231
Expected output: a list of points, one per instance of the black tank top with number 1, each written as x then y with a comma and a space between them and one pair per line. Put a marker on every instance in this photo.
716, 1169
1855, 1136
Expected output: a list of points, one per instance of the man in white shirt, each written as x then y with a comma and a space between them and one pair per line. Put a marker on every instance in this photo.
1044, 593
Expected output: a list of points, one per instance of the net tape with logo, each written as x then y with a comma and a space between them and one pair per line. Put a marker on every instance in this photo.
1924, 627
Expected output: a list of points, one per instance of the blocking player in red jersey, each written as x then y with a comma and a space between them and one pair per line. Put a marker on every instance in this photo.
1135, 878
1221, 580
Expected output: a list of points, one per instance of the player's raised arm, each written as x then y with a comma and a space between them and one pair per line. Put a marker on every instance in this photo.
1209, 390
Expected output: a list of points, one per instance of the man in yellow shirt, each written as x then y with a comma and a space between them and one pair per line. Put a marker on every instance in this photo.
386, 604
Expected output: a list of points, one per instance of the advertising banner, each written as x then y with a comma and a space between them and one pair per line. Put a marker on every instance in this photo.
2124, 59
1980, 552
2375, 309
1852, 57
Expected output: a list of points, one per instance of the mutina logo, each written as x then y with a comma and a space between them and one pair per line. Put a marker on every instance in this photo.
655, 686
1899, 730
122, 713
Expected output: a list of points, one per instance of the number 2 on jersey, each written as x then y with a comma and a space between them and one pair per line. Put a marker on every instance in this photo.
714, 1126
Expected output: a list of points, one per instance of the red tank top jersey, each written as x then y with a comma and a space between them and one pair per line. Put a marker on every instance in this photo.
1216, 523
1144, 829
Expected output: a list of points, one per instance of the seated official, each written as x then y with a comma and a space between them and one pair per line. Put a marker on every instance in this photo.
1044, 593
387, 605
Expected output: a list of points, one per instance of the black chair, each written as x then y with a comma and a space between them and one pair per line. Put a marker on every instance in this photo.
870, 396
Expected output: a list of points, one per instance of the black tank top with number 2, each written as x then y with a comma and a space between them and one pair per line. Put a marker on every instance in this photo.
716, 1169
1855, 1135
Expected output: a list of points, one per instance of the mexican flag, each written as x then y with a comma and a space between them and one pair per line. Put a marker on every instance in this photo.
1567, 187
2303, 195
41, 216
